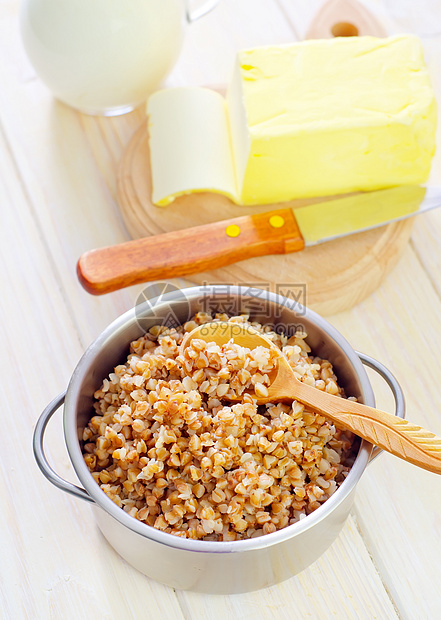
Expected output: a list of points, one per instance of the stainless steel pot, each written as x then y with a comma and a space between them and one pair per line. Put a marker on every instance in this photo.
203, 566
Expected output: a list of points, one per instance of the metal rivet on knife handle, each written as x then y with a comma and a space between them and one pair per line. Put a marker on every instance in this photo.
233, 230
276, 221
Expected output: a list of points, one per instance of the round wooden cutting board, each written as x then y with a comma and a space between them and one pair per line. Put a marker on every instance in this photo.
328, 278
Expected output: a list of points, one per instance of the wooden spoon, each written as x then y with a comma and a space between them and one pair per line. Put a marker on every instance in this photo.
399, 437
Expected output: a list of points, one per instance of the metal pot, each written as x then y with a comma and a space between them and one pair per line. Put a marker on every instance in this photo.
206, 566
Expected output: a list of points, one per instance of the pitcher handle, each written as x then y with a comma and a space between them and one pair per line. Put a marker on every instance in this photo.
206, 7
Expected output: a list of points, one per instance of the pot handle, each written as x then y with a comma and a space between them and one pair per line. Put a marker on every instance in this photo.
385, 373
206, 7
40, 456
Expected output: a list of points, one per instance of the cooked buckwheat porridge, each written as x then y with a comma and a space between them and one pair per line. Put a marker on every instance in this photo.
168, 448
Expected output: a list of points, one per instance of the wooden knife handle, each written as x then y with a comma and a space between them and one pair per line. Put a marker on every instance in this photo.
399, 437
188, 251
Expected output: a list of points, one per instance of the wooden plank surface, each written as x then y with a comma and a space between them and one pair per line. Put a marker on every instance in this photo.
58, 199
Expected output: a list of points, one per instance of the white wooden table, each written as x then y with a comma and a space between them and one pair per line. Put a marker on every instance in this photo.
57, 200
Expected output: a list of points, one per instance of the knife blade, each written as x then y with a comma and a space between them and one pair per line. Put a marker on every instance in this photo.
210, 246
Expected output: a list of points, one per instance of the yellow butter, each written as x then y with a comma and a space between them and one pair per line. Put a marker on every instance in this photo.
307, 119
328, 116
190, 149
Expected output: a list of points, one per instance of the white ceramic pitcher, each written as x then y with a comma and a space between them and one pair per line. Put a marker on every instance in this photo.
105, 56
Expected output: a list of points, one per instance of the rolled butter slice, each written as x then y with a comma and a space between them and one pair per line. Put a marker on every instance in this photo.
330, 116
190, 148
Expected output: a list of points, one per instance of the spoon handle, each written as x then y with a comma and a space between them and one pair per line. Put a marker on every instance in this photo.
404, 439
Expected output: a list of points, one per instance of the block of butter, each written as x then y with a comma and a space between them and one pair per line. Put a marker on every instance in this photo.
315, 118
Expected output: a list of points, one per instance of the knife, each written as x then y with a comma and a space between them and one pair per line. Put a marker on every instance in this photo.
210, 246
